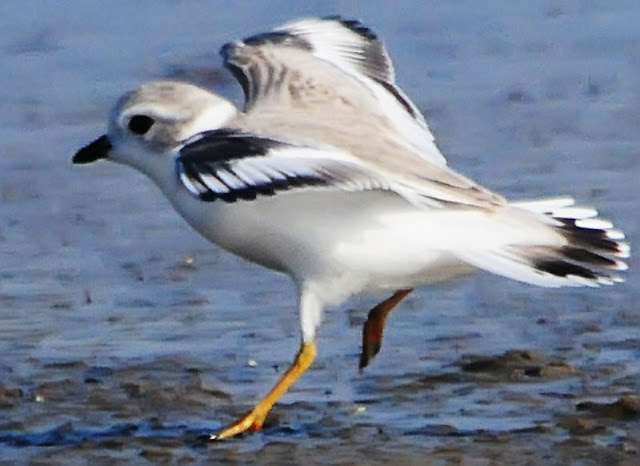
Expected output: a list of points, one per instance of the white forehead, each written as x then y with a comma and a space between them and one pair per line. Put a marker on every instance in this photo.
175, 101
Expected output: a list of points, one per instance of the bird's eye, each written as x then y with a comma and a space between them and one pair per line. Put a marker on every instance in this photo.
140, 124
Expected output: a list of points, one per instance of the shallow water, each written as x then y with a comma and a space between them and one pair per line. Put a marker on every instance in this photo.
124, 335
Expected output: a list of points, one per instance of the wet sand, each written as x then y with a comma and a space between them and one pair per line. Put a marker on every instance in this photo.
125, 337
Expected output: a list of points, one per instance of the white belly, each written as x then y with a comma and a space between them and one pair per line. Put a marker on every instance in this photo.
346, 243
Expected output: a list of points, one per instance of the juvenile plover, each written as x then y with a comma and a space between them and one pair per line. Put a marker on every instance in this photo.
331, 175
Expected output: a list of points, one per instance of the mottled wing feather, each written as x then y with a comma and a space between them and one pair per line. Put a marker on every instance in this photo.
357, 51
262, 63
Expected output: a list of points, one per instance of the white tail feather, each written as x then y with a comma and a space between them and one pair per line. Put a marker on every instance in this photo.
578, 249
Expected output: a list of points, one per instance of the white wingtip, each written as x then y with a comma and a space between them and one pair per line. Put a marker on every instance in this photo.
619, 265
577, 213
624, 251
615, 234
594, 224
545, 206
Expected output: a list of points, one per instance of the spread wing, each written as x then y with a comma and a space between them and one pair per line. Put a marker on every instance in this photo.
314, 60
231, 165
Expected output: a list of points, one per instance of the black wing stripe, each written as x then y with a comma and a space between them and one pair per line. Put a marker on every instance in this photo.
193, 180
355, 26
596, 239
402, 100
241, 77
587, 257
561, 268
211, 180
229, 179
280, 38
366, 55
230, 165
225, 145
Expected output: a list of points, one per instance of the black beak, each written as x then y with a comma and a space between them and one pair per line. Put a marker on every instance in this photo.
98, 149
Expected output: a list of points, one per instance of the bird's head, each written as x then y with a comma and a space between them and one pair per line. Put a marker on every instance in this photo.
147, 124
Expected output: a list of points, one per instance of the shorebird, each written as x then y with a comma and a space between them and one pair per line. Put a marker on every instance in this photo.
330, 174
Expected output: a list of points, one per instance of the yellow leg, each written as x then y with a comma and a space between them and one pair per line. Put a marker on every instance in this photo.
373, 328
253, 421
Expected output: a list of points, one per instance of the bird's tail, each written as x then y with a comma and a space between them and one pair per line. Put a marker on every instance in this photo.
566, 246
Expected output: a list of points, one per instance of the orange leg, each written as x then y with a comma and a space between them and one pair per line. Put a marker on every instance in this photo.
253, 421
373, 328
